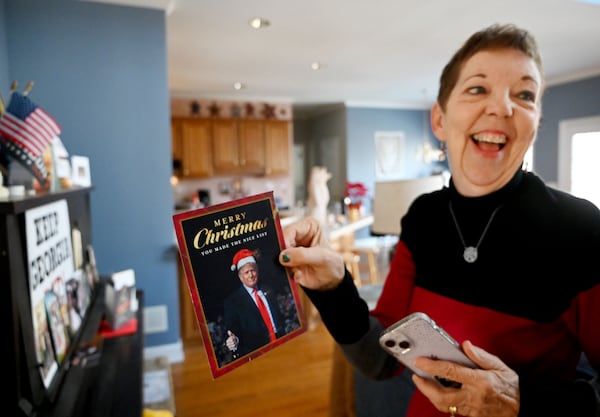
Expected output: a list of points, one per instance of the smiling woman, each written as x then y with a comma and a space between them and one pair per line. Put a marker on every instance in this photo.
488, 112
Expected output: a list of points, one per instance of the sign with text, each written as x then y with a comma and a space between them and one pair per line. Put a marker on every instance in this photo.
50, 264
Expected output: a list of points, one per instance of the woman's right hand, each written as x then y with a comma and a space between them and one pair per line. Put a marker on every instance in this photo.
314, 264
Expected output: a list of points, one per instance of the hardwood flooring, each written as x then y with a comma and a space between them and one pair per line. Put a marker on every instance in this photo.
292, 380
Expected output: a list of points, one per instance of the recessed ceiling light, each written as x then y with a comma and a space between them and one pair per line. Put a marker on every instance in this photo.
238, 85
259, 23
315, 66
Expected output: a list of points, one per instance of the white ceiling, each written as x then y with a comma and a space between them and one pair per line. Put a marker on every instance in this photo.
375, 53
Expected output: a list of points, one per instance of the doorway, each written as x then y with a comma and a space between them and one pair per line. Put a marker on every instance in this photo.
299, 173
578, 149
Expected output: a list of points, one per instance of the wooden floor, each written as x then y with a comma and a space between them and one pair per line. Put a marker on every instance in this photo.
292, 380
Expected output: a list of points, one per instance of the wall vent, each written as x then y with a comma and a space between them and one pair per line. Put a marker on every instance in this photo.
155, 319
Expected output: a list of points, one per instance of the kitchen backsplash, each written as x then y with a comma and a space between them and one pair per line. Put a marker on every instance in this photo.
222, 189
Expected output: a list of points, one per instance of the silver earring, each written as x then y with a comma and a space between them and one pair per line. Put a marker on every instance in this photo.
442, 152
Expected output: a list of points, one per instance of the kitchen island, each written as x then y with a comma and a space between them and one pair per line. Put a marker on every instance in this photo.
333, 231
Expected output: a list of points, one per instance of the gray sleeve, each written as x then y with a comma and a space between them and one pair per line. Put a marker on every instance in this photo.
367, 356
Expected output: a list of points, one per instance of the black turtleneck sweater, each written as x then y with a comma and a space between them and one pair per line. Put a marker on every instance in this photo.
532, 297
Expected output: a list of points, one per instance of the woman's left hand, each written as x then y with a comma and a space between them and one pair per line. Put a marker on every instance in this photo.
492, 391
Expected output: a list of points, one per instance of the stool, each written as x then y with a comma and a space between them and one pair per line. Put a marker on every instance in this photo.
352, 261
370, 248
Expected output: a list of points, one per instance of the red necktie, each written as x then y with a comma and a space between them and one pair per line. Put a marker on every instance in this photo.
265, 314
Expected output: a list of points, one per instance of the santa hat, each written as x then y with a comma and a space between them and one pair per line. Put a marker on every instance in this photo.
241, 258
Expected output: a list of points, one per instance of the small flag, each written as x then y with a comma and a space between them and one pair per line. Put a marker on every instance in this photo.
26, 130
35, 165
28, 125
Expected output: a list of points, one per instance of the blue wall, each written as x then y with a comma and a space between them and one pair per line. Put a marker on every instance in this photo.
4, 82
362, 126
101, 71
565, 101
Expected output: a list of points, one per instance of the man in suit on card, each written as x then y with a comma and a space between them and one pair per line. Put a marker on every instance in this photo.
253, 317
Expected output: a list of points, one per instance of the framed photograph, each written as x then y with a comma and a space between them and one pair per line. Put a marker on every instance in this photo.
91, 267
81, 175
389, 151
244, 300
120, 298
58, 328
75, 313
44, 348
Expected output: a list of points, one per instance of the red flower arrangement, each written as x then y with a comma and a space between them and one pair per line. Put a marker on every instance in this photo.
355, 191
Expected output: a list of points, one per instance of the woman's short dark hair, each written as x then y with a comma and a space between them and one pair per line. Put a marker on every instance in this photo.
496, 36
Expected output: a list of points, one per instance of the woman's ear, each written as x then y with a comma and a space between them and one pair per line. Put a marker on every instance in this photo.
437, 121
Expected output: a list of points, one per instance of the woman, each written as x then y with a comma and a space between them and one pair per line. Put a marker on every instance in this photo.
505, 264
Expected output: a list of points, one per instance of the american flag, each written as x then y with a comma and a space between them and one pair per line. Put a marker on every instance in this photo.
28, 125
26, 130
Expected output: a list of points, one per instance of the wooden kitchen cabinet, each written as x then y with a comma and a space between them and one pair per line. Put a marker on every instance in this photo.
225, 146
176, 151
195, 139
252, 145
238, 147
188, 320
209, 147
277, 147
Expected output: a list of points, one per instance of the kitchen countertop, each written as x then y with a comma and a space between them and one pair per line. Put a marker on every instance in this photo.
337, 230
287, 220
334, 231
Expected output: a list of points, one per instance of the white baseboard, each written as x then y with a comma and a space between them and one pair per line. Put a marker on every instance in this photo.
173, 352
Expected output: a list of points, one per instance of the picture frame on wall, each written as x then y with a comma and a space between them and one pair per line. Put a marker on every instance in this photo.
389, 151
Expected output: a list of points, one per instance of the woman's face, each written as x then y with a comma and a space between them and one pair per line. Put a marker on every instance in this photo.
491, 119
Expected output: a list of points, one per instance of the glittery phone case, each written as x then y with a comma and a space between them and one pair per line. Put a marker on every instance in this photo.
418, 335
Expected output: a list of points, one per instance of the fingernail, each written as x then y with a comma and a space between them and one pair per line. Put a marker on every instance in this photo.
285, 258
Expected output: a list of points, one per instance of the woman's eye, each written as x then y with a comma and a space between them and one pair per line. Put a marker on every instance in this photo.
527, 96
476, 90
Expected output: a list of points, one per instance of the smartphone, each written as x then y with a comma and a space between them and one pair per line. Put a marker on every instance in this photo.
418, 335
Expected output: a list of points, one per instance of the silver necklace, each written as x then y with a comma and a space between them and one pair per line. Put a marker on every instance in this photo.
470, 253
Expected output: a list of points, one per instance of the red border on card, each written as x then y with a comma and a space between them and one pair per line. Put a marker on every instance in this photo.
191, 257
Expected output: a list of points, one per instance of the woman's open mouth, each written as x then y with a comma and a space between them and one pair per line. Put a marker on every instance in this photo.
489, 142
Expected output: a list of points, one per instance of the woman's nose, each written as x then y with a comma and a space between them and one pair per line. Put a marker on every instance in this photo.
500, 104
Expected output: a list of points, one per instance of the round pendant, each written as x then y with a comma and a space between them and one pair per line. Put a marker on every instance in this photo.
470, 254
